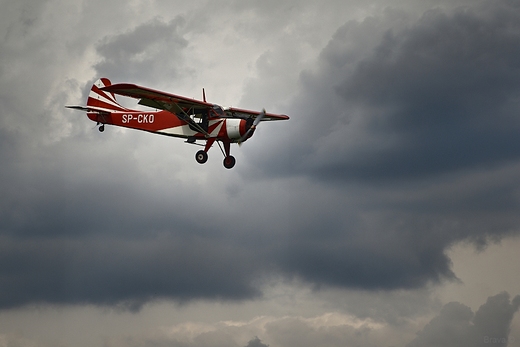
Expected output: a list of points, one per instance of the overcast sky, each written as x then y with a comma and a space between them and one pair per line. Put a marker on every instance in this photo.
385, 212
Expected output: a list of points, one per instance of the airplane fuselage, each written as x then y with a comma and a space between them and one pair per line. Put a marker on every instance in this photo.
166, 123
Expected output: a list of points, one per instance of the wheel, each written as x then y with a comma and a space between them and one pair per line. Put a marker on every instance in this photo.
229, 162
201, 157
102, 128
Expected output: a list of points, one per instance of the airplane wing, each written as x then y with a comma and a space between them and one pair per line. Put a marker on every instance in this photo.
244, 114
157, 99
182, 106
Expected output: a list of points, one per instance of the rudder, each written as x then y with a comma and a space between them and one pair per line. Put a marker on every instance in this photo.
103, 100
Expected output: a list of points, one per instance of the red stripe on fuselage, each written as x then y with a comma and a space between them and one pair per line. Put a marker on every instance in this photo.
149, 121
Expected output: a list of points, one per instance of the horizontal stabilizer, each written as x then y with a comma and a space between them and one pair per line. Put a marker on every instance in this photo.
89, 109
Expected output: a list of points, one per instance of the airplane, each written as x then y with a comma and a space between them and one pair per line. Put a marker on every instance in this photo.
175, 116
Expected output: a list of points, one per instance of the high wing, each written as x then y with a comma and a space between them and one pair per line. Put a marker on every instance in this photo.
180, 106
158, 99
245, 114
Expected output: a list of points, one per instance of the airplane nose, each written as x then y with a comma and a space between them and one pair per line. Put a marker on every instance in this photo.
247, 124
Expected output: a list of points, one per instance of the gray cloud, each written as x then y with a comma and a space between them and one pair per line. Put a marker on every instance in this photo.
120, 273
457, 325
397, 148
413, 99
446, 89
256, 342
151, 51
413, 123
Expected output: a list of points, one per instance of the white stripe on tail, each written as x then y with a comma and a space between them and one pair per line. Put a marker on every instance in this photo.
101, 100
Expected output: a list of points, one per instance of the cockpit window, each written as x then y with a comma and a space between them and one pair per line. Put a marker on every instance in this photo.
218, 110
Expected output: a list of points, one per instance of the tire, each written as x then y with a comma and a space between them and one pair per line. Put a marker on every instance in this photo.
229, 162
201, 157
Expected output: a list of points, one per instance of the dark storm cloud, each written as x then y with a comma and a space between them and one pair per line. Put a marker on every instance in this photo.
108, 241
414, 99
457, 325
113, 220
414, 123
119, 272
447, 89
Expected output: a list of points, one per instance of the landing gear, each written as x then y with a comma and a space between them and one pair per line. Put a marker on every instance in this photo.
201, 157
229, 162
101, 128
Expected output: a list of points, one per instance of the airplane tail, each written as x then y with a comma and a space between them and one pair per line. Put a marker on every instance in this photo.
102, 100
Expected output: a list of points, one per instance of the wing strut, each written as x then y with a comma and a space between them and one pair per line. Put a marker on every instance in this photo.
185, 117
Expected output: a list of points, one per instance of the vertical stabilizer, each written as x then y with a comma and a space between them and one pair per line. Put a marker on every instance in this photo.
100, 99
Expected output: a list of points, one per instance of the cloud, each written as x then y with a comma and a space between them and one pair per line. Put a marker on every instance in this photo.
447, 90
335, 228
256, 342
353, 192
118, 273
394, 98
332, 329
151, 51
457, 325
412, 125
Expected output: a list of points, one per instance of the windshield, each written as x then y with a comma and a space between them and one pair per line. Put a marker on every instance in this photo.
218, 110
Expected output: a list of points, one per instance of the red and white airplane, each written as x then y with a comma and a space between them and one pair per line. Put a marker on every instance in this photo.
175, 116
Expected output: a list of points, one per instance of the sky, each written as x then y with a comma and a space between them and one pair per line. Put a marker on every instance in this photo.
383, 213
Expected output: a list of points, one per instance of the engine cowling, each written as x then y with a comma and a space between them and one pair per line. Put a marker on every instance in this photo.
236, 128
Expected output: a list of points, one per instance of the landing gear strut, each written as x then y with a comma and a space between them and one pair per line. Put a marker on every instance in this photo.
229, 160
202, 156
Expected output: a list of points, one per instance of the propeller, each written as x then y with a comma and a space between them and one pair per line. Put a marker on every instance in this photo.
252, 128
